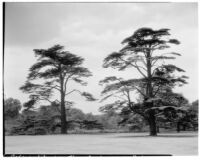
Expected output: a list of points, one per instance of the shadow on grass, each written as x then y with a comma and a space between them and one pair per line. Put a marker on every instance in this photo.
177, 136
158, 136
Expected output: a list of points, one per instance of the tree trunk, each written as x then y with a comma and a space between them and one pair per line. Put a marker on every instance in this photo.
149, 93
152, 124
63, 116
62, 105
158, 130
194, 127
178, 127
184, 127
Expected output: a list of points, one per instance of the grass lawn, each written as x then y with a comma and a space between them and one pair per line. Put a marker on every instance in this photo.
185, 143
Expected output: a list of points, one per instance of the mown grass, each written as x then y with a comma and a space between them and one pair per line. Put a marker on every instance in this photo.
184, 143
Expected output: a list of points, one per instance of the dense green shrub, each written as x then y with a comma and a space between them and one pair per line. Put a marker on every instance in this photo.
36, 131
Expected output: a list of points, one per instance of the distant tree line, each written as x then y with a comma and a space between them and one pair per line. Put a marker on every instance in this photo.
46, 120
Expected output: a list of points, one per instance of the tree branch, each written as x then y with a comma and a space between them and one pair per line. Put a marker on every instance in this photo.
143, 61
140, 91
65, 83
137, 67
119, 97
133, 87
140, 70
156, 90
57, 101
74, 90
45, 99
55, 87
136, 111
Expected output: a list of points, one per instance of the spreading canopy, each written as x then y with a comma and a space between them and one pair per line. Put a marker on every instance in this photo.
55, 67
145, 50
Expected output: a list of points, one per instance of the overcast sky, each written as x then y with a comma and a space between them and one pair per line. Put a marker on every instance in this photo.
93, 30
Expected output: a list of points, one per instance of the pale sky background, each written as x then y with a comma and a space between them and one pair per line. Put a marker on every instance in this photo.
94, 30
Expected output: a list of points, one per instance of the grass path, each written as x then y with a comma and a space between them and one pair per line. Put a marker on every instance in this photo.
117, 143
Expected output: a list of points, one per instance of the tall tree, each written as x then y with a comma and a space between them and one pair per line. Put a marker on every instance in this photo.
144, 52
56, 67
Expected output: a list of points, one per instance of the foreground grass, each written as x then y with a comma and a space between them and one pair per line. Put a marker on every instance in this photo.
185, 143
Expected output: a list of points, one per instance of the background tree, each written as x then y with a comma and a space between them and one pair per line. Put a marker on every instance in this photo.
189, 117
110, 119
56, 67
194, 110
76, 114
135, 122
172, 108
144, 52
11, 108
195, 107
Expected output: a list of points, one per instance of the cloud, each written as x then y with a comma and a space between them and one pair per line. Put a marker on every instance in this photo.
31, 23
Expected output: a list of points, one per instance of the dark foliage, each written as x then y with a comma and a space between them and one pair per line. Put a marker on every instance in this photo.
56, 68
11, 108
141, 52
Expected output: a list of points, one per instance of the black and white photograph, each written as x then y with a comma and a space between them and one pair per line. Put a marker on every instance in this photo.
100, 78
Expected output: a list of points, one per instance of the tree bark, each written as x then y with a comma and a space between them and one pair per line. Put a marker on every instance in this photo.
158, 129
184, 127
63, 116
149, 93
152, 124
62, 105
178, 127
